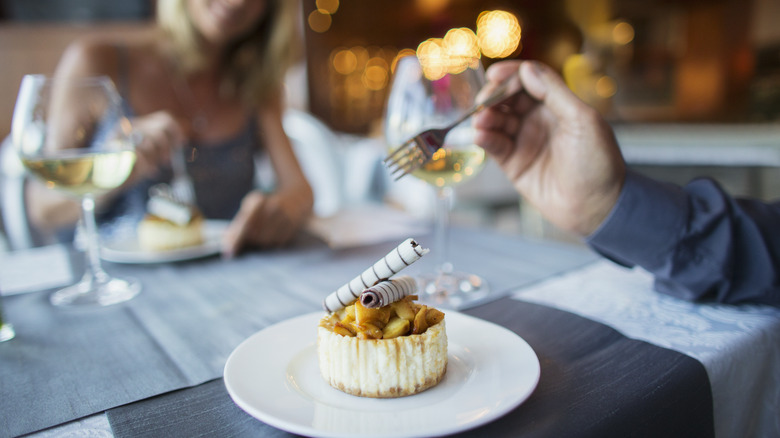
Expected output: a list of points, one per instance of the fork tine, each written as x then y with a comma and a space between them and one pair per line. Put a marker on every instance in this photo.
398, 150
418, 151
399, 159
413, 154
413, 163
409, 169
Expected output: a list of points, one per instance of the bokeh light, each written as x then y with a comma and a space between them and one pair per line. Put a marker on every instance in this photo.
431, 7
344, 61
433, 58
461, 48
622, 33
605, 87
329, 6
498, 33
578, 73
319, 21
376, 75
453, 54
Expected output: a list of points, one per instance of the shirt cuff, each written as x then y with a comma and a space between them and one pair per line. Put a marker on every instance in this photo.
644, 225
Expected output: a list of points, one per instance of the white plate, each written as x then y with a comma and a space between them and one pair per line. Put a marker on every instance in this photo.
273, 375
128, 251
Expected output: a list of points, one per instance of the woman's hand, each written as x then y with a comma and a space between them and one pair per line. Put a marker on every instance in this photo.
558, 152
159, 134
264, 220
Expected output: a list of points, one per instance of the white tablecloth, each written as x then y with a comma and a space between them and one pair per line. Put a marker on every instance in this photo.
738, 345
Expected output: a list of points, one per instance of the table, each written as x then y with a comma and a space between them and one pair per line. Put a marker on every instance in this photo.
153, 365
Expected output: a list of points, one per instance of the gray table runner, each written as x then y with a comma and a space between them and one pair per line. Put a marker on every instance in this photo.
594, 382
179, 331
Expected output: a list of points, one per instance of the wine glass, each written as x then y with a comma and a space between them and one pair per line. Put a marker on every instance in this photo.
417, 102
72, 134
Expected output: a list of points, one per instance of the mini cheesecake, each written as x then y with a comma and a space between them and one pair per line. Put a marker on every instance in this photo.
381, 368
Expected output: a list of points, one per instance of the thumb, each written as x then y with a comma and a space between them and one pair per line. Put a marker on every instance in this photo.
544, 84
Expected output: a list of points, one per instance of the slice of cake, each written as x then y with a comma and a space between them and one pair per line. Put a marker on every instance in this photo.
169, 225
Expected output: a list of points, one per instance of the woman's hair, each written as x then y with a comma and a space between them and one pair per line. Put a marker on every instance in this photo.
254, 65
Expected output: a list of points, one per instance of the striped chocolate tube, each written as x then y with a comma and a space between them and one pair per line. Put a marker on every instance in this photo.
402, 256
388, 291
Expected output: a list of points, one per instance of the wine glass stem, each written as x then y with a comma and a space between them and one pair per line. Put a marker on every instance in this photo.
94, 269
442, 229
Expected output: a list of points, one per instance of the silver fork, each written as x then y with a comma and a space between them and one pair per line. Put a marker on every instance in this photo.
418, 150
180, 189
181, 184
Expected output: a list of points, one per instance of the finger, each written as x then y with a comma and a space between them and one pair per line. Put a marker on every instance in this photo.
496, 76
498, 120
496, 143
229, 242
235, 236
544, 84
501, 71
243, 224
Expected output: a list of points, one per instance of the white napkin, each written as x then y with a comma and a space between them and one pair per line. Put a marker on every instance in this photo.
34, 269
366, 225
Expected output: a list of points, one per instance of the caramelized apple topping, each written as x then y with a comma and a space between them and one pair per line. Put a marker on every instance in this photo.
401, 318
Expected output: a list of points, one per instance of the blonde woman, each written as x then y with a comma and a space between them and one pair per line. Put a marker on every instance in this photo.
206, 83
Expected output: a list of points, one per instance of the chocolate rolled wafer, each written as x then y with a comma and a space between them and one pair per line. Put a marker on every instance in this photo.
388, 291
402, 256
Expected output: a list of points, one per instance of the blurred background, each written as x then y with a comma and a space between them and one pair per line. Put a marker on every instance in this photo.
692, 87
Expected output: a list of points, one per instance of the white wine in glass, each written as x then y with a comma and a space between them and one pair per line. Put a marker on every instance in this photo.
416, 103
73, 136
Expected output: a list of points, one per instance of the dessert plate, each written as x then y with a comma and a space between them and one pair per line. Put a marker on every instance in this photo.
273, 376
127, 250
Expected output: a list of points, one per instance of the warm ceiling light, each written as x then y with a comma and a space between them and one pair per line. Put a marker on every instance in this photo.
498, 33
461, 48
431, 7
623, 33
606, 87
329, 6
375, 76
453, 54
433, 58
344, 61
319, 21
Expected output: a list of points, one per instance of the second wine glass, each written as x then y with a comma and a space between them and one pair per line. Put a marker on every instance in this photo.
73, 136
418, 101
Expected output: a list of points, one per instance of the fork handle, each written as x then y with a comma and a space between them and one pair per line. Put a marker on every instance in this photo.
504, 91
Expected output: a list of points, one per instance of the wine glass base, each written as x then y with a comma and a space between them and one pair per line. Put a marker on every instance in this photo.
6, 332
92, 293
451, 289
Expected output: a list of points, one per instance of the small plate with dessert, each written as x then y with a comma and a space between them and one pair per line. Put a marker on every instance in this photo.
169, 232
377, 363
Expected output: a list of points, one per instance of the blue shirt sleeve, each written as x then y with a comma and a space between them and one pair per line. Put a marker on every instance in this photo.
697, 241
